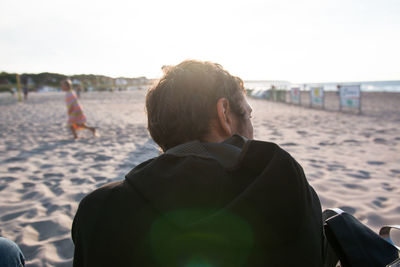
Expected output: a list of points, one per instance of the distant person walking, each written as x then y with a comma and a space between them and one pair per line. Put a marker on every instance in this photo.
78, 90
25, 90
12, 91
76, 118
25, 87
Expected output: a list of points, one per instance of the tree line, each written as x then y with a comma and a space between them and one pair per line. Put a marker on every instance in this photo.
39, 80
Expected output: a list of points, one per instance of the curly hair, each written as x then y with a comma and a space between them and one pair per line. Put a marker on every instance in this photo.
182, 104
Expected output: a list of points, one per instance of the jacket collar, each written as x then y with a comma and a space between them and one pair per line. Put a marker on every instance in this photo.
227, 153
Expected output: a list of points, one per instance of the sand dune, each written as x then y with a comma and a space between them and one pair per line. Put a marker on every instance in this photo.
352, 161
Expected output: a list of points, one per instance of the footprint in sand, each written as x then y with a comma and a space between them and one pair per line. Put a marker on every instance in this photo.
12, 216
380, 141
289, 144
32, 196
57, 190
78, 181
32, 213
65, 248
335, 167
50, 183
33, 178
360, 175
28, 185
62, 154
30, 252
379, 202
367, 135
351, 142
327, 143
8, 179
46, 166
388, 187
47, 229
102, 158
98, 166
356, 186
302, 132
276, 133
16, 169
73, 170
14, 159
99, 178
375, 220
65, 209
81, 156
125, 166
316, 166
375, 162
53, 175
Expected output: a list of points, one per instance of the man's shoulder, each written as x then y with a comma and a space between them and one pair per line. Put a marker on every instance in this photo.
260, 154
92, 204
259, 146
101, 194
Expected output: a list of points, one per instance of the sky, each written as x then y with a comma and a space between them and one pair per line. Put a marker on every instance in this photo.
291, 40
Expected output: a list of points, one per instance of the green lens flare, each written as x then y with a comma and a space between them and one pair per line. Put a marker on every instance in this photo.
201, 238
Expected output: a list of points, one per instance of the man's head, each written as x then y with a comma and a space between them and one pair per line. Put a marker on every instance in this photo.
197, 100
66, 84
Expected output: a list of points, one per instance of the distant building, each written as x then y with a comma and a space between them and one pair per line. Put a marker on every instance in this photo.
30, 81
76, 81
46, 89
4, 81
121, 81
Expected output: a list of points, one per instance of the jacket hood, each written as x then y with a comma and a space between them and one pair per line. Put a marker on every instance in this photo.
228, 198
195, 180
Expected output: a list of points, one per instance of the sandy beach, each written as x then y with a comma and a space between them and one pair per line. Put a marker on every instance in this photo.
352, 161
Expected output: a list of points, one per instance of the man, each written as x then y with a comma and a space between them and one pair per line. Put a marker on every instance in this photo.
213, 198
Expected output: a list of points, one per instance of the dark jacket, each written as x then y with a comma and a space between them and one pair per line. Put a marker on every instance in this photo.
236, 203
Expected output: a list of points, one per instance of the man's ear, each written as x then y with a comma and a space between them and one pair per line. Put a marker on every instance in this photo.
224, 116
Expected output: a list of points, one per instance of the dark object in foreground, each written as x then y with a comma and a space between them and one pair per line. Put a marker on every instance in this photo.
10, 254
235, 203
357, 245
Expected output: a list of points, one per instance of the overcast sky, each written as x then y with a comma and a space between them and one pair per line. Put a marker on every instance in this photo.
294, 40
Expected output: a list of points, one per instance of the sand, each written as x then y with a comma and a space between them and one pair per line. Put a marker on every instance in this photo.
352, 161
